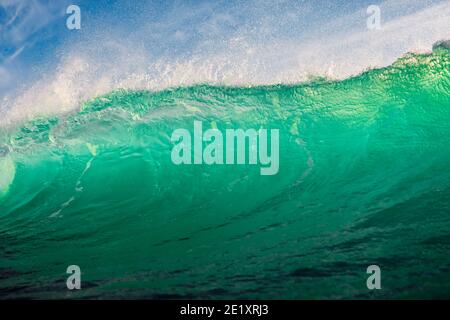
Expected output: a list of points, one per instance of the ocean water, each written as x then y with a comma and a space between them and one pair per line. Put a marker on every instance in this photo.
364, 179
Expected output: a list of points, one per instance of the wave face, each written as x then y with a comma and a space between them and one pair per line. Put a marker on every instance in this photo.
363, 180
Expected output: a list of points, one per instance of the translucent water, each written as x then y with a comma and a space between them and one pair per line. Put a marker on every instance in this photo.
364, 179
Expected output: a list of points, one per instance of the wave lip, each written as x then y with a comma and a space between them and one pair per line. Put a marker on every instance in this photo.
90, 68
444, 44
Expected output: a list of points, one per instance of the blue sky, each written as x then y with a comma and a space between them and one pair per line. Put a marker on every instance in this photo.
31, 30
263, 35
35, 28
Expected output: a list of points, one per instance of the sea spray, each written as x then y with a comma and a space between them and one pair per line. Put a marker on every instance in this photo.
7, 171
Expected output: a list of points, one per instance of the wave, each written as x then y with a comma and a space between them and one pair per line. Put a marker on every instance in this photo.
363, 174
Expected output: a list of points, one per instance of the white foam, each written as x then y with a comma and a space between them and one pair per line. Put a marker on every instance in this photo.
252, 54
7, 174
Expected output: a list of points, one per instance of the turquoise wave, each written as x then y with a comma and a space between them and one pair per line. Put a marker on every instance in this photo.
363, 180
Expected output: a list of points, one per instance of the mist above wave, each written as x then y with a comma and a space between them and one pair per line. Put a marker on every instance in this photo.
226, 52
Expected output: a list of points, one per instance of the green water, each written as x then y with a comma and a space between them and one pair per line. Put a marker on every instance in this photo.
364, 179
